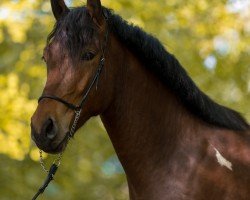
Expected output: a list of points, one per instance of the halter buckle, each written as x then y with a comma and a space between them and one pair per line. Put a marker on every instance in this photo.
102, 61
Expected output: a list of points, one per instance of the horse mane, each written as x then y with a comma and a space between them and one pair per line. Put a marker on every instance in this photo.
168, 69
155, 58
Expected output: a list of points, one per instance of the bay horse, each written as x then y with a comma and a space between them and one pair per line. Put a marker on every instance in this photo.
173, 141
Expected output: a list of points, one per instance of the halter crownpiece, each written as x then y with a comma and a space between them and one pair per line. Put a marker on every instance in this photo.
77, 109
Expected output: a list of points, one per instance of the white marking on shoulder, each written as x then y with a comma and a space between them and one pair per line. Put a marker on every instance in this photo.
223, 161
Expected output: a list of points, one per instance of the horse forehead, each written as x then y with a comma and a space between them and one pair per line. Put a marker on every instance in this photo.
56, 52
55, 47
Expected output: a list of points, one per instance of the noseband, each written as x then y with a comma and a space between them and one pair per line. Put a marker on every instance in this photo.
77, 109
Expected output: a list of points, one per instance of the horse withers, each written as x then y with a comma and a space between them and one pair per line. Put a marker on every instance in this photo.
173, 141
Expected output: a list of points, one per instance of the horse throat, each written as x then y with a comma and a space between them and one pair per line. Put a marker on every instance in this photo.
144, 123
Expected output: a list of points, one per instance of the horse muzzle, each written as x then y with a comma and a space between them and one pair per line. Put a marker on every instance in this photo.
46, 138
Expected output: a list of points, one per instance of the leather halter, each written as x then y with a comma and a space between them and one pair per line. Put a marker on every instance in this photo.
94, 80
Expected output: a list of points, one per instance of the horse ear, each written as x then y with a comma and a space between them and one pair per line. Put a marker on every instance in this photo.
59, 8
94, 8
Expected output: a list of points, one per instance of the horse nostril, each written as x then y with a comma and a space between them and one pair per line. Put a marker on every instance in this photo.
50, 129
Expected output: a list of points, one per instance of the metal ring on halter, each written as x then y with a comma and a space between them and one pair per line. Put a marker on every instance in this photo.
57, 161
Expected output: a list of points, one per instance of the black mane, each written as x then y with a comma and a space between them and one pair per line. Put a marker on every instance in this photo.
164, 65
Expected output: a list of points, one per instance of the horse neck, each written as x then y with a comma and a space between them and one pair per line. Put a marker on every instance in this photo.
145, 120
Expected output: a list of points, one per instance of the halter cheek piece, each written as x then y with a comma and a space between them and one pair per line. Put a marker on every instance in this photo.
77, 109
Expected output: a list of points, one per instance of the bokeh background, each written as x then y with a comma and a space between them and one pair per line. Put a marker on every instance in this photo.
211, 38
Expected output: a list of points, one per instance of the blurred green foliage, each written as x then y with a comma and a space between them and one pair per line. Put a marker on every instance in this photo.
211, 39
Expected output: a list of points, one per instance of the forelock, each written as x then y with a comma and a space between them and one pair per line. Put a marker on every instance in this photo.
74, 31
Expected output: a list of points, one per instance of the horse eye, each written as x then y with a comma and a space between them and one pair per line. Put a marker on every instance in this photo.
88, 56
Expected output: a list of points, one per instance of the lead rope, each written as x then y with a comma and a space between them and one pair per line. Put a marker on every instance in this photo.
52, 171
